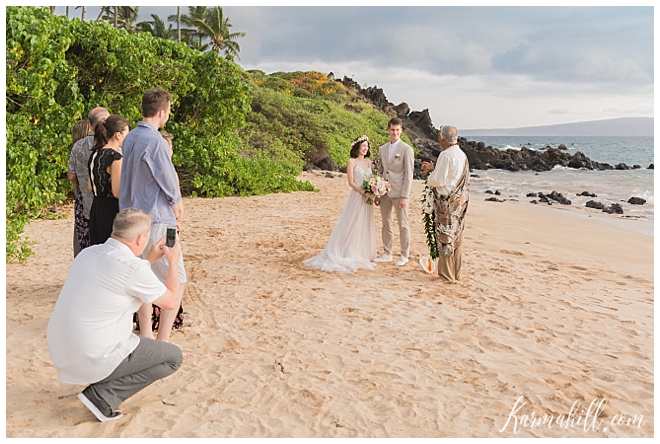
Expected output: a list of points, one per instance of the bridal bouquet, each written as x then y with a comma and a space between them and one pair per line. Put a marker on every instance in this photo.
376, 185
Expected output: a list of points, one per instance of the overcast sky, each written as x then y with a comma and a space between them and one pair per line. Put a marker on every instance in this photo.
473, 67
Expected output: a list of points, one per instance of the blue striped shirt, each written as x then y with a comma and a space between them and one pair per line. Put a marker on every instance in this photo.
148, 179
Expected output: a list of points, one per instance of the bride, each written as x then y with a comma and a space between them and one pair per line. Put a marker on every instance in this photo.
352, 244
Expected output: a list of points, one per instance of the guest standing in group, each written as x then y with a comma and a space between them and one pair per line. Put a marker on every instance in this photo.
155, 313
80, 131
149, 182
104, 176
450, 181
78, 174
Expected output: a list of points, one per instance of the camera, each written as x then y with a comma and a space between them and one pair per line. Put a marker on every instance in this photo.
171, 237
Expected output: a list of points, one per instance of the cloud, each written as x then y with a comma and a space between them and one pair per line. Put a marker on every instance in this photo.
575, 45
472, 66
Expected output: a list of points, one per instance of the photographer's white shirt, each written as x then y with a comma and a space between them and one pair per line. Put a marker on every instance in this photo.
91, 329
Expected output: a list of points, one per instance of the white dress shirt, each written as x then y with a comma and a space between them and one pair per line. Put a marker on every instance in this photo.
392, 148
91, 329
448, 170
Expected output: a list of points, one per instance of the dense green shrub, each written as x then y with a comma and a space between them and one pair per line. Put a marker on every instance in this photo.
57, 70
235, 132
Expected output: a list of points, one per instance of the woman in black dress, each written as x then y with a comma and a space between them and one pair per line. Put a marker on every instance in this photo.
104, 174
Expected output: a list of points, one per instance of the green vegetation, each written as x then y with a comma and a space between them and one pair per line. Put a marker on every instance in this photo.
312, 115
235, 132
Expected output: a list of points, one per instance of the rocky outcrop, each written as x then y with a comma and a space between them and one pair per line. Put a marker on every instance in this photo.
327, 164
418, 126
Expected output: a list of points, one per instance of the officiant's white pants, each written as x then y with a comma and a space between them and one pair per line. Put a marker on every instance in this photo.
386, 204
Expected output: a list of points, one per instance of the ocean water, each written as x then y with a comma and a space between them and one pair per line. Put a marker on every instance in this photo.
614, 186
612, 150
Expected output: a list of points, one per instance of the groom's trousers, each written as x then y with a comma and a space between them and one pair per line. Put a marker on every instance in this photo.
386, 204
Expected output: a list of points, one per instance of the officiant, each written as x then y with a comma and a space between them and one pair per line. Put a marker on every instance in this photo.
449, 180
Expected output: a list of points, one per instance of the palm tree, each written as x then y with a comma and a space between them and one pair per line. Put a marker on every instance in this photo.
122, 17
103, 9
156, 27
178, 24
216, 28
191, 36
84, 12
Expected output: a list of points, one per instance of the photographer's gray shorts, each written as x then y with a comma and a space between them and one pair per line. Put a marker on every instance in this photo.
161, 266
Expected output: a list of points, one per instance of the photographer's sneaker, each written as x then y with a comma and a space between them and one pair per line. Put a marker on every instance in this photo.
384, 258
108, 415
402, 261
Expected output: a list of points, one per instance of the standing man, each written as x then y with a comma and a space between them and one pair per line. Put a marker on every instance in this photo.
89, 334
149, 183
450, 181
78, 174
396, 166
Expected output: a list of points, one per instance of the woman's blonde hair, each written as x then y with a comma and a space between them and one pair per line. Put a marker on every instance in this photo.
80, 130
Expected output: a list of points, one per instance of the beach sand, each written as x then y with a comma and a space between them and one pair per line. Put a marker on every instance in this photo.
552, 306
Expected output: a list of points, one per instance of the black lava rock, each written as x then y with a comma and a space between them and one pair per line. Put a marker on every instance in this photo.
586, 193
532, 195
493, 199
594, 204
614, 209
559, 198
327, 164
636, 201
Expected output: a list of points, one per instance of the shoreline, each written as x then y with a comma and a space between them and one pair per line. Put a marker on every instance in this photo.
636, 225
282, 350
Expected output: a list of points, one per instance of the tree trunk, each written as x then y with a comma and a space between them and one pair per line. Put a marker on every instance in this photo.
84, 13
52, 9
116, 11
67, 13
178, 24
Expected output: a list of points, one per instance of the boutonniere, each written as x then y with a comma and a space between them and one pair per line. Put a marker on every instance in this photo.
397, 155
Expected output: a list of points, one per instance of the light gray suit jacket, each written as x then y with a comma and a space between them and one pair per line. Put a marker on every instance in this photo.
399, 172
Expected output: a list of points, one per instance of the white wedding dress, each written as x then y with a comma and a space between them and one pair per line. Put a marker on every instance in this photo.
352, 244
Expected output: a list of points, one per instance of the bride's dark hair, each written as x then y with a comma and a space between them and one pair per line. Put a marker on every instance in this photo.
355, 147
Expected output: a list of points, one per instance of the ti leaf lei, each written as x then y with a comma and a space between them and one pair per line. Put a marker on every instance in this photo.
429, 220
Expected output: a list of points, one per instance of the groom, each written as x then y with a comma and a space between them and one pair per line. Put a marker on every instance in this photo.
396, 167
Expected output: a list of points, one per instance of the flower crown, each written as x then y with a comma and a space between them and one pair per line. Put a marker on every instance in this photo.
360, 140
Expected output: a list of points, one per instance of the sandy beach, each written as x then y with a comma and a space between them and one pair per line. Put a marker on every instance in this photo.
554, 306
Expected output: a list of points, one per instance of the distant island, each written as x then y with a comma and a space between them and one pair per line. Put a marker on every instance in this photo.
624, 126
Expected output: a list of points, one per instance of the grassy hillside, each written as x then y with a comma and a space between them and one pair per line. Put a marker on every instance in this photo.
310, 116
